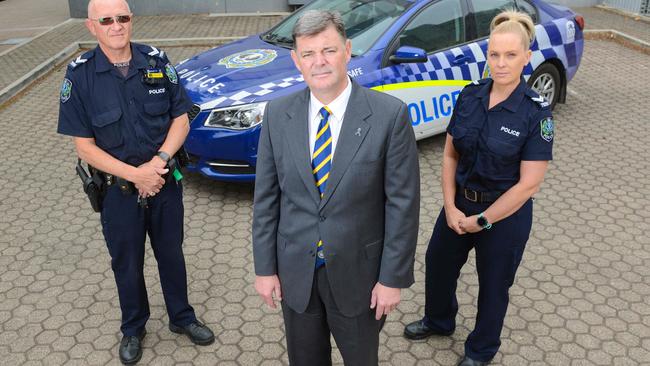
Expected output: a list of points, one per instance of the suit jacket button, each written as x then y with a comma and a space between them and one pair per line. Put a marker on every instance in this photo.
322, 218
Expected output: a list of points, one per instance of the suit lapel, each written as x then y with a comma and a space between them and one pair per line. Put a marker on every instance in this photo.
353, 132
297, 133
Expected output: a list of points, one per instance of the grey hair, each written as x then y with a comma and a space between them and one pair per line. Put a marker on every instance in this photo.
313, 22
91, 7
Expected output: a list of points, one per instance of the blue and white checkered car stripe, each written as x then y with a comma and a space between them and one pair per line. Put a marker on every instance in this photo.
250, 95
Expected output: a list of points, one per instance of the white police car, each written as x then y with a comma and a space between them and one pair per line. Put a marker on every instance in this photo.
421, 51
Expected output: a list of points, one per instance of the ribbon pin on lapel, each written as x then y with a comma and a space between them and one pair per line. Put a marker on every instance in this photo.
358, 133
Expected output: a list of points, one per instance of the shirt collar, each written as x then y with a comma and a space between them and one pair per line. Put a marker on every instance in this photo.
102, 64
513, 101
337, 106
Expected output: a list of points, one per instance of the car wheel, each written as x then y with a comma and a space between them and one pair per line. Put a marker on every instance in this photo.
546, 82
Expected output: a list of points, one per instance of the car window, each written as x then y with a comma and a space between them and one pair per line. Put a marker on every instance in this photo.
439, 26
365, 20
529, 9
485, 11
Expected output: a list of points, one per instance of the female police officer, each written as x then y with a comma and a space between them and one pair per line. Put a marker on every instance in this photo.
497, 150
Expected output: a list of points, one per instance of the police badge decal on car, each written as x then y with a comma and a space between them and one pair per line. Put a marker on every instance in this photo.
248, 59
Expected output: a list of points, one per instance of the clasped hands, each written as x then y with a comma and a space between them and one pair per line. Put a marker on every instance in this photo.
149, 180
461, 224
383, 299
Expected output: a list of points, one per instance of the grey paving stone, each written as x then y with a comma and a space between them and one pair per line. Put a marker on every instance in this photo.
581, 296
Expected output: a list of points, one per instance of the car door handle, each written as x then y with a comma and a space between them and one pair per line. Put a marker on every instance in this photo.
460, 59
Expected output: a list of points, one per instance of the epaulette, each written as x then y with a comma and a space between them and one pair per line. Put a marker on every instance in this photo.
151, 51
475, 84
535, 97
81, 59
479, 82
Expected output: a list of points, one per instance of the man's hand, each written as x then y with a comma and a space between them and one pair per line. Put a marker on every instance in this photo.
384, 299
470, 224
267, 287
148, 179
454, 216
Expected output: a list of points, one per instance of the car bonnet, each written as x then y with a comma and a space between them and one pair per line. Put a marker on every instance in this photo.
240, 72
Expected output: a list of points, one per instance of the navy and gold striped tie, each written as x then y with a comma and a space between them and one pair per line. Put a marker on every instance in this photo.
321, 164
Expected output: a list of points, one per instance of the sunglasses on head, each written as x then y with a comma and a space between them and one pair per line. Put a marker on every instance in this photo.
110, 20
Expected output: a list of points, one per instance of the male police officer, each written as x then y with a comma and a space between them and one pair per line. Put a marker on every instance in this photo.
127, 113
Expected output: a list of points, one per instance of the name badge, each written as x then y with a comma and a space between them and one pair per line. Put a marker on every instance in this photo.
154, 74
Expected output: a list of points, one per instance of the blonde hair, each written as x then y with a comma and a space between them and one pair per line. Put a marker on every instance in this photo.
516, 22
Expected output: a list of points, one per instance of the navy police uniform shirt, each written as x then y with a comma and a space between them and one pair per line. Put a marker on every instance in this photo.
492, 143
128, 118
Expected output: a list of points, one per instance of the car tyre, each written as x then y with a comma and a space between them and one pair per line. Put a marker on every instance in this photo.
546, 82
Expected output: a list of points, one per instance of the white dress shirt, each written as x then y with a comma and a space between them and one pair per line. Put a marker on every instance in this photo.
338, 107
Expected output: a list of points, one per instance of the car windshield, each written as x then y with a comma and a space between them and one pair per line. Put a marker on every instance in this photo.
365, 21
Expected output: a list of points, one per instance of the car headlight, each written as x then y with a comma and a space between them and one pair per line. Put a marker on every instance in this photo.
237, 118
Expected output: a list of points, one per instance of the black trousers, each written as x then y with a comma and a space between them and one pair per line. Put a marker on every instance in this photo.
498, 254
308, 334
125, 225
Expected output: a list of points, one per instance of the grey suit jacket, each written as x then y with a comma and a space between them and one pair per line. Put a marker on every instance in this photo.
368, 216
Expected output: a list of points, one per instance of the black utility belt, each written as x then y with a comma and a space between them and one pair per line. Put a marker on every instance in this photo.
479, 197
96, 182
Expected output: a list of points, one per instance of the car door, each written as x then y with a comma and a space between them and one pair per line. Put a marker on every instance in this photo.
431, 88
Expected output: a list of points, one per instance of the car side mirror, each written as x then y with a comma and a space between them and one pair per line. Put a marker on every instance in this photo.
408, 54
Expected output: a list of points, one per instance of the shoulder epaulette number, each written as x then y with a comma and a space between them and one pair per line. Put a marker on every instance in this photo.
81, 59
156, 52
540, 100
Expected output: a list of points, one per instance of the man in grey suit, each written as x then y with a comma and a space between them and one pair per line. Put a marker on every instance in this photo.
336, 204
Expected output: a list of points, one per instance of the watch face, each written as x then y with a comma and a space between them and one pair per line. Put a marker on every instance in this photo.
482, 221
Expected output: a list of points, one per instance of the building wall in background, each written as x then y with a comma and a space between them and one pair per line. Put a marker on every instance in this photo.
78, 8
632, 6
578, 3
162, 7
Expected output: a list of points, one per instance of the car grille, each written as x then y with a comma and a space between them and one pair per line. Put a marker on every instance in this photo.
193, 112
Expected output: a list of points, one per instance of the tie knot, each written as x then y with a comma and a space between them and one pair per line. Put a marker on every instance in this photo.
325, 112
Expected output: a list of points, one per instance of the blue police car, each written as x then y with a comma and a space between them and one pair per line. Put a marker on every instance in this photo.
421, 51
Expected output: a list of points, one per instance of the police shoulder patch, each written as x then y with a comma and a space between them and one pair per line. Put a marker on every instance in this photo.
170, 71
546, 127
66, 90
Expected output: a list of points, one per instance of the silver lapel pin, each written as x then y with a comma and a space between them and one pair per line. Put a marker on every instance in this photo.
358, 133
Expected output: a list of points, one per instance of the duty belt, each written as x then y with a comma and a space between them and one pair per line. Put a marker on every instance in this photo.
480, 197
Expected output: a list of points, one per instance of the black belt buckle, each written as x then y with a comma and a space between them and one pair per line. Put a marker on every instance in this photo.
470, 195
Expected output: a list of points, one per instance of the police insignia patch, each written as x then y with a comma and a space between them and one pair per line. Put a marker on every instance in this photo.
546, 129
66, 90
248, 59
170, 71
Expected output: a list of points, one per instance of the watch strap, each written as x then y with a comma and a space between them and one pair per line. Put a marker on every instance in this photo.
487, 224
164, 156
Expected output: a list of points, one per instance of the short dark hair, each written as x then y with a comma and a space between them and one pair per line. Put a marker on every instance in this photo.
313, 22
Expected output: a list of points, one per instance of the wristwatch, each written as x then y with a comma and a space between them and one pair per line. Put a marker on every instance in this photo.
164, 156
483, 222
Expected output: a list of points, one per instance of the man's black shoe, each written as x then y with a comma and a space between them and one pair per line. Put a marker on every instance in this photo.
419, 330
131, 349
198, 332
466, 361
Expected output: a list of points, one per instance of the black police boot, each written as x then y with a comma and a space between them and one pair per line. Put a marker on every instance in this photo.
419, 330
466, 361
198, 332
131, 349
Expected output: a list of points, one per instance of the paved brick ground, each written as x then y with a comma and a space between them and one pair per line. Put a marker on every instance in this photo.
23, 59
596, 18
581, 296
